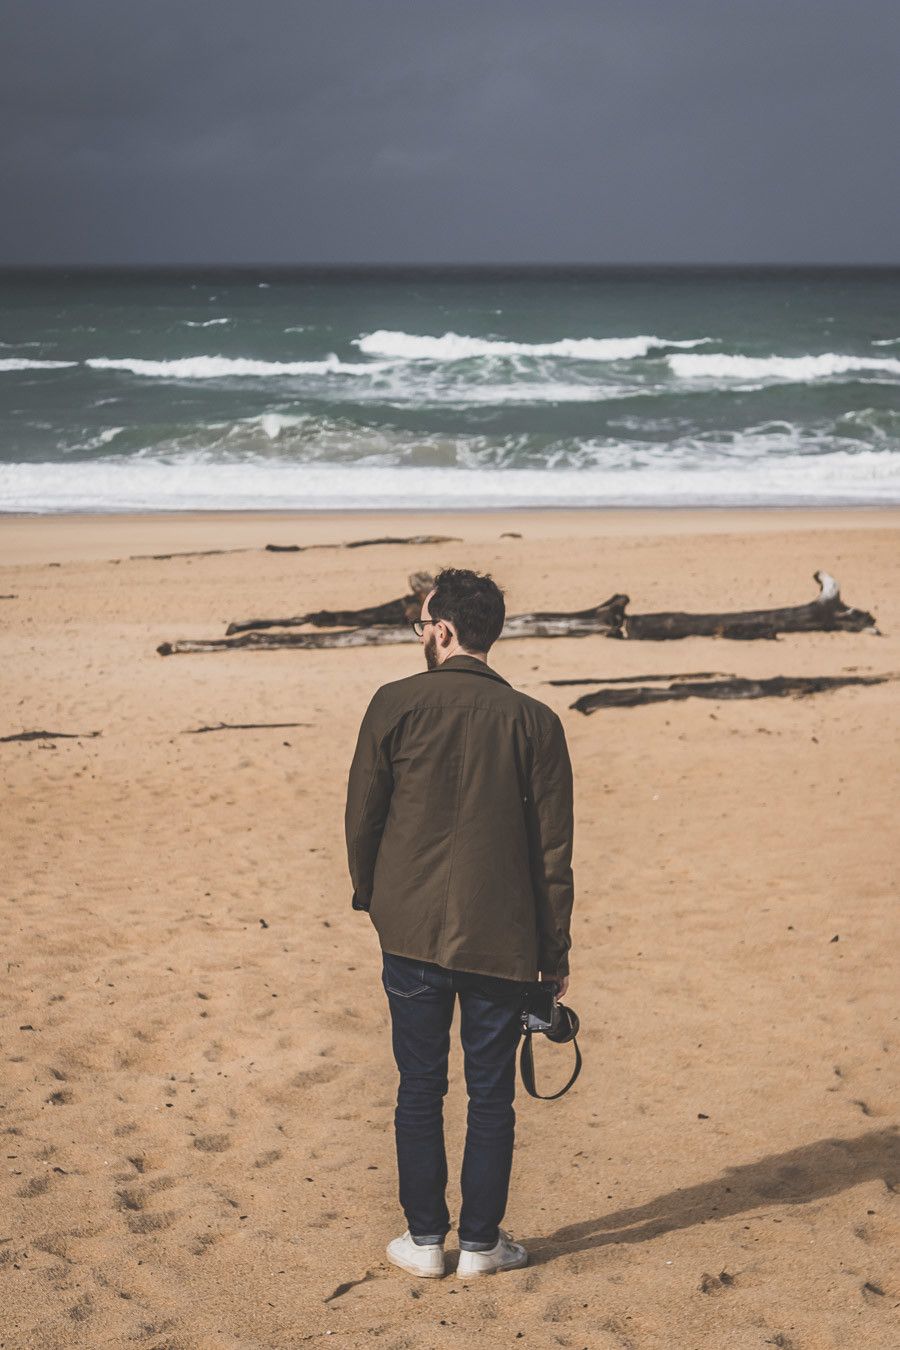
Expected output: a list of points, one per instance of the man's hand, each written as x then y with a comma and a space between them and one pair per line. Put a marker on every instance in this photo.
561, 981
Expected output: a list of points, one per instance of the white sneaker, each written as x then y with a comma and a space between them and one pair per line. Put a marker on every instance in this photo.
427, 1261
506, 1255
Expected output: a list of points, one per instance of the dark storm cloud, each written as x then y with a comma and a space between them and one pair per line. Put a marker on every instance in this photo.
444, 130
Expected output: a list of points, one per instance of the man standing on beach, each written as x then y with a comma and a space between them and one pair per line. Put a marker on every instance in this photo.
459, 829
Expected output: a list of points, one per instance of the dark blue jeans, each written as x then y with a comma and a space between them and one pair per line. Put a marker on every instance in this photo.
421, 996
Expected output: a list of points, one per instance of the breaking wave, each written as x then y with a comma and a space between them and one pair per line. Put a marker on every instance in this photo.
223, 367
456, 347
797, 369
21, 363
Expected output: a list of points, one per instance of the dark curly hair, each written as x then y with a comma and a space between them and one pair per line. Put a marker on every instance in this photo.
473, 604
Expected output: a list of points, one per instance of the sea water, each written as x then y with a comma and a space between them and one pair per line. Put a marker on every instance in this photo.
469, 388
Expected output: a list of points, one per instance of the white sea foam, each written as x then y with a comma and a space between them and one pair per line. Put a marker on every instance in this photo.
405, 393
204, 323
224, 367
274, 425
797, 369
104, 437
457, 347
194, 482
22, 363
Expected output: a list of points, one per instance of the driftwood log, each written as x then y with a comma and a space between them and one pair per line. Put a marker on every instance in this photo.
827, 612
779, 686
50, 736
400, 612
287, 548
365, 543
824, 614
600, 620
387, 624
644, 679
378, 635
244, 726
188, 553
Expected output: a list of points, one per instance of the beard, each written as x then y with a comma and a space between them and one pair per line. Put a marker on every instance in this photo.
430, 645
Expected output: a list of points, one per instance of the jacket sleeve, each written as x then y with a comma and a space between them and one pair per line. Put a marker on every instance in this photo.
552, 831
369, 789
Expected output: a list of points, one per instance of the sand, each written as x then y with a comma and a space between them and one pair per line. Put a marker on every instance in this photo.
197, 1089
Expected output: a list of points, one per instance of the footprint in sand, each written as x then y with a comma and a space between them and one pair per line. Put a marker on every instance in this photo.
558, 1310
266, 1159
82, 1310
36, 1186
212, 1143
311, 1077
151, 1222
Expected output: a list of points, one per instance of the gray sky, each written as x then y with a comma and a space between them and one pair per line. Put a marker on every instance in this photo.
337, 131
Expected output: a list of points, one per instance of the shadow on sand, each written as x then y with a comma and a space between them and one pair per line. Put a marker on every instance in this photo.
794, 1178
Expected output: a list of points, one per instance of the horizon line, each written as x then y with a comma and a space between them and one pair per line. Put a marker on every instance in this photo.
56, 267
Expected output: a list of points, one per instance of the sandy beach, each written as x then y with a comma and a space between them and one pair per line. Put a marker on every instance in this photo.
197, 1089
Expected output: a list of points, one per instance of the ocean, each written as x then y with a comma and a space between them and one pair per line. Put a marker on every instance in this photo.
406, 388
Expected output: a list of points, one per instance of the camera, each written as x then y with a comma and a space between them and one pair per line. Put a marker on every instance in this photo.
543, 1012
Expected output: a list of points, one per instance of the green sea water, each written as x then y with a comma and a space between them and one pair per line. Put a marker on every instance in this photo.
455, 387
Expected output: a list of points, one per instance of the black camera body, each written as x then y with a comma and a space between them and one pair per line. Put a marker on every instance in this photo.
543, 1012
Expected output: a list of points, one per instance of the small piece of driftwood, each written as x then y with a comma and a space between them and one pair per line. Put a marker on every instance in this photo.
244, 726
379, 635
364, 543
413, 539
645, 679
190, 553
401, 611
779, 686
826, 613
50, 736
603, 620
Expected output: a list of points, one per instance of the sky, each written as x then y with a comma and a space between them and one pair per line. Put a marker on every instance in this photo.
449, 131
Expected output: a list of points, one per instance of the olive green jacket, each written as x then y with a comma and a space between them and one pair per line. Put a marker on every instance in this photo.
459, 823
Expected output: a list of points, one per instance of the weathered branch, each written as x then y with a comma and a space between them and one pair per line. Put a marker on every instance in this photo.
595, 619
602, 619
645, 679
189, 553
780, 686
382, 625
50, 736
413, 539
364, 543
244, 726
379, 635
824, 614
401, 611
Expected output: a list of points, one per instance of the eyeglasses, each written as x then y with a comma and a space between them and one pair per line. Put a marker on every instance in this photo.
419, 625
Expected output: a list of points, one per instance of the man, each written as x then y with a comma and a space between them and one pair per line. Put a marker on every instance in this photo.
459, 827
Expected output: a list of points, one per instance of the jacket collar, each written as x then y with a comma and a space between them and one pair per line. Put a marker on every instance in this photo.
470, 665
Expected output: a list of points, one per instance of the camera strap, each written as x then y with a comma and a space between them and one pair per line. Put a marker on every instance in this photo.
526, 1066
